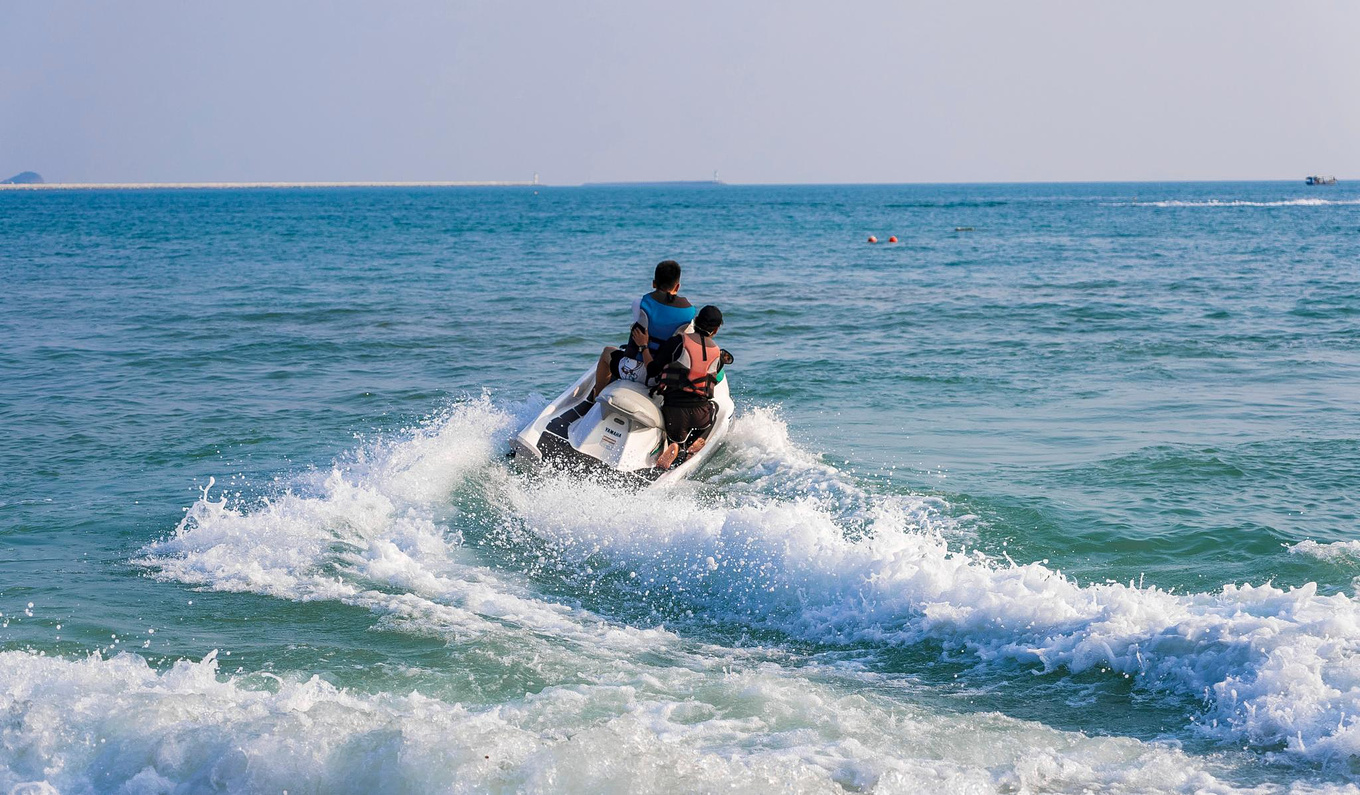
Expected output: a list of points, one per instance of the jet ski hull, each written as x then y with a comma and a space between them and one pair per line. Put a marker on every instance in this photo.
619, 435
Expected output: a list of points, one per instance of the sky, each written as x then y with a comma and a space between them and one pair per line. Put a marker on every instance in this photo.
760, 91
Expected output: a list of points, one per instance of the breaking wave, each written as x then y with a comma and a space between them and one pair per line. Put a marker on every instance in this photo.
1275, 667
622, 709
1336, 551
775, 540
106, 725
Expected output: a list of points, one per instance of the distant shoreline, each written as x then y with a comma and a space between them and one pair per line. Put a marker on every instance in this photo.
59, 186
673, 183
228, 185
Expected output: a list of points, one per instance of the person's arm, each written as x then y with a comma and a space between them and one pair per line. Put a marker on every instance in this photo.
639, 338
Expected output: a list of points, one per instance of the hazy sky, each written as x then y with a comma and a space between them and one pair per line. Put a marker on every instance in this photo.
761, 91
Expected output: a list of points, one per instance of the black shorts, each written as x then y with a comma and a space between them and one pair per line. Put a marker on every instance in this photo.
684, 424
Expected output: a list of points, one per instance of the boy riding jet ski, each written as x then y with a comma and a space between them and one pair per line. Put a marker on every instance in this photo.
657, 316
615, 417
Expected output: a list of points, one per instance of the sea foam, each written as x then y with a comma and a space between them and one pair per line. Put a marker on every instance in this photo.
1275, 667
823, 561
118, 725
1336, 551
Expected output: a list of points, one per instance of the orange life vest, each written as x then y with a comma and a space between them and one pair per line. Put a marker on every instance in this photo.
695, 369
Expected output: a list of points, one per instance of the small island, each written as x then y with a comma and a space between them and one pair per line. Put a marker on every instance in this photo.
24, 178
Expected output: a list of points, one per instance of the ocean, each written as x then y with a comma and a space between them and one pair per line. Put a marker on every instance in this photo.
1056, 494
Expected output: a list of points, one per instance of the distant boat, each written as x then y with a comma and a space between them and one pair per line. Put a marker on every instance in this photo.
1318, 179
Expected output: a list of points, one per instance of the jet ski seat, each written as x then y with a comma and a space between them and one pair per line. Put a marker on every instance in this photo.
631, 400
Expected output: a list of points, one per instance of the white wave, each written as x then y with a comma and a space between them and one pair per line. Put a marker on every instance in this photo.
1336, 551
368, 537
117, 725
1276, 666
821, 562
1242, 203
760, 461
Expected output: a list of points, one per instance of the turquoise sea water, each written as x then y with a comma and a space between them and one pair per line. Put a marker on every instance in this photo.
1062, 502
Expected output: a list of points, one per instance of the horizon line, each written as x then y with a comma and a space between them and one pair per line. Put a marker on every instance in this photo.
621, 183
180, 185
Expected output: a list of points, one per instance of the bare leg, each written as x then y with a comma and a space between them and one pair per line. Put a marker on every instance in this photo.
667, 456
603, 372
697, 445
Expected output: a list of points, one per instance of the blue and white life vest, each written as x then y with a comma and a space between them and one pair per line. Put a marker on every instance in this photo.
662, 320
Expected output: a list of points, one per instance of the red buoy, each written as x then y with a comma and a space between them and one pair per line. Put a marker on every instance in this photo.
873, 239
892, 239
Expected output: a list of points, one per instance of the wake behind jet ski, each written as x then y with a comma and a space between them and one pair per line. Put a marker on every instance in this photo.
654, 409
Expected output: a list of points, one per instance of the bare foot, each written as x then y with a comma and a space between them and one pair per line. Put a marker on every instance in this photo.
667, 456
698, 445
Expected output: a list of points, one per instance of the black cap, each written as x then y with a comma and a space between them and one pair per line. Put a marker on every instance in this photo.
709, 319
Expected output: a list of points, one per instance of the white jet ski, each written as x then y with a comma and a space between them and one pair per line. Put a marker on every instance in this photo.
622, 432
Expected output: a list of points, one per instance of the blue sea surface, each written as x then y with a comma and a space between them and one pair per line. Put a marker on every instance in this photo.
1058, 493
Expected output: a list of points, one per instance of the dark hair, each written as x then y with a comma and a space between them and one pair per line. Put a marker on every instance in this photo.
709, 320
667, 274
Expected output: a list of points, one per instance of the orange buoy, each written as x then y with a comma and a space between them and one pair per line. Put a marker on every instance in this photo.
873, 239
892, 239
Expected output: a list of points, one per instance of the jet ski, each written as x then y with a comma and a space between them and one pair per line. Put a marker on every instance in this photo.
621, 432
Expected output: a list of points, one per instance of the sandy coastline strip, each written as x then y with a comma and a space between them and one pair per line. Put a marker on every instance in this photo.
189, 185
